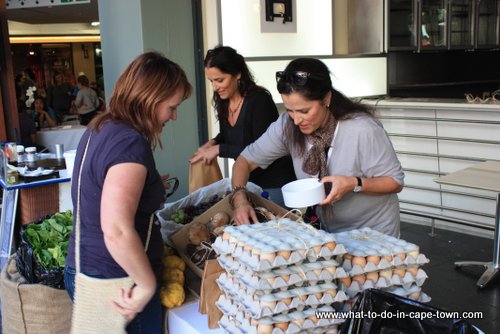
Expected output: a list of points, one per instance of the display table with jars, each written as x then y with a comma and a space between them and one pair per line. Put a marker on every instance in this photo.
38, 194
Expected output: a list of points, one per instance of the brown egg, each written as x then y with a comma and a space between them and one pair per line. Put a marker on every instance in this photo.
287, 300
373, 259
317, 249
400, 272
346, 281
271, 280
331, 245
298, 322
313, 318
402, 256
415, 295
285, 278
358, 260
372, 276
414, 253
284, 254
282, 325
331, 292
331, 269
268, 257
361, 278
412, 270
225, 236
271, 304
318, 295
265, 329
347, 256
317, 272
387, 273
388, 258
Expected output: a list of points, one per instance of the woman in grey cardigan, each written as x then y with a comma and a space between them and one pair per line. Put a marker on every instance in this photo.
334, 139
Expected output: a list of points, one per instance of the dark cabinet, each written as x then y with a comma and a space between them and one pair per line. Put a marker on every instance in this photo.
430, 25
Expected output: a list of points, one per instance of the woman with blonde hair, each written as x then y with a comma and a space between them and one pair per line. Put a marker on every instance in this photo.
120, 187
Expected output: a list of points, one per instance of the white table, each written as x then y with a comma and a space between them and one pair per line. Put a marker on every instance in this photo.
69, 135
484, 176
187, 320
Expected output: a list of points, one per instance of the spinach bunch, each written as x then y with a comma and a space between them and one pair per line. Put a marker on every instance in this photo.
50, 239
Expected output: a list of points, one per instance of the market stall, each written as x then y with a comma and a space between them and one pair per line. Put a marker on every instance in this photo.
69, 135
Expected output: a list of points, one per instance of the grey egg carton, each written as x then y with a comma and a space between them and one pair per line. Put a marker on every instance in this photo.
355, 289
276, 244
259, 306
295, 275
236, 321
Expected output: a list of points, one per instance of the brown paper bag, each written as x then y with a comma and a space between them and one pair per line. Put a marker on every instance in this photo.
210, 292
201, 174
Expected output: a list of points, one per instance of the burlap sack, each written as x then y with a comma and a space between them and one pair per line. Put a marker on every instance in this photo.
32, 308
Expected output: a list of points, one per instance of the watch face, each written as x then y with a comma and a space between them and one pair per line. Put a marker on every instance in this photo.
357, 189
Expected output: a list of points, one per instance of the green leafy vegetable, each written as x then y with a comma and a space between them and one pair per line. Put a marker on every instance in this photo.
50, 239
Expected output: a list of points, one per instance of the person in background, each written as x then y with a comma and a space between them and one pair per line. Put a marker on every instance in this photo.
86, 101
41, 116
331, 138
244, 110
115, 214
27, 127
59, 96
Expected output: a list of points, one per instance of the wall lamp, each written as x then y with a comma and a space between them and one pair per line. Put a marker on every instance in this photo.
279, 8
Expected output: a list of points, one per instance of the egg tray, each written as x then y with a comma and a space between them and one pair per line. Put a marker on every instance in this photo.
367, 242
305, 321
276, 244
280, 302
359, 264
355, 288
283, 279
390, 277
257, 263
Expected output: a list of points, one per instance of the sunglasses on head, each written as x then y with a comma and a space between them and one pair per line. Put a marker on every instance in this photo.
298, 78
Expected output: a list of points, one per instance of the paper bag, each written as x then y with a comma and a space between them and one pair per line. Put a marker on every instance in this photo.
210, 292
201, 174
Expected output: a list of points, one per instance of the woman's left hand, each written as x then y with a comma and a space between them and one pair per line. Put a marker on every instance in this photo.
164, 179
206, 154
341, 186
132, 301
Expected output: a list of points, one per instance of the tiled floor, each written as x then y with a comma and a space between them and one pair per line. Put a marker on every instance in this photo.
452, 289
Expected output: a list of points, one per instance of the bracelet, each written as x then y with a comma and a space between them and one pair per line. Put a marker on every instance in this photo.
236, 190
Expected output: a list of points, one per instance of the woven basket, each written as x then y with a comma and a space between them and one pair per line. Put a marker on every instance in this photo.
36, 202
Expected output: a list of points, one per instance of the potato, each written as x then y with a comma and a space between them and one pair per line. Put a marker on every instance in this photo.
197, 233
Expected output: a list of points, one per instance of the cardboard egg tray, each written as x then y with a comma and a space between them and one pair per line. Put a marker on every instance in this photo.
305, 321
369, 250
259, 306
355, 288
389, 277
292, 276
276, 244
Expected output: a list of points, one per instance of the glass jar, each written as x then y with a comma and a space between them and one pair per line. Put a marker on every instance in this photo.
30, 157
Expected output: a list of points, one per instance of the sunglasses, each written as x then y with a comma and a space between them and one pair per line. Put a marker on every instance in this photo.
298, 78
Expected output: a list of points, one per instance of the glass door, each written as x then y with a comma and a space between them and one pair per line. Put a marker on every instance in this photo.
433, 24
402, 25
461, 32
487, 26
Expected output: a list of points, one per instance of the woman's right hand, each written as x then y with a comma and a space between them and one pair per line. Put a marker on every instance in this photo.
133, 300
243, 212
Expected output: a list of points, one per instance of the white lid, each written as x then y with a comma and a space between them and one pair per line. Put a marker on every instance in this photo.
20, 148
30, 149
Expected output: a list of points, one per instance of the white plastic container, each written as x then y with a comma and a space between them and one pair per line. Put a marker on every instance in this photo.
303, 193
69, 159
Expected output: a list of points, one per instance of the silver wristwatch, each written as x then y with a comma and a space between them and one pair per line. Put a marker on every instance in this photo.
357, 189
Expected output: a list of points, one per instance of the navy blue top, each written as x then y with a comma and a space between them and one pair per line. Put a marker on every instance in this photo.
115, 143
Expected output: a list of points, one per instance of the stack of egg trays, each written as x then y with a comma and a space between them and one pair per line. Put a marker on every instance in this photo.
377, 260
266, 278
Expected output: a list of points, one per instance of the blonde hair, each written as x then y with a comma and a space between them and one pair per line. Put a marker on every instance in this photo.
147, 81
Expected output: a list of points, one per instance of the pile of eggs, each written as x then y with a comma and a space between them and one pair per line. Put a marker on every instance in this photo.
278, 274
377, 260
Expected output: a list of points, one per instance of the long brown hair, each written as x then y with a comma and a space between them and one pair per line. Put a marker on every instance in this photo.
147, 81
315, 88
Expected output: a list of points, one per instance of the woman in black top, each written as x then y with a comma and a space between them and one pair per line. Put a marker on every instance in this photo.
244, 110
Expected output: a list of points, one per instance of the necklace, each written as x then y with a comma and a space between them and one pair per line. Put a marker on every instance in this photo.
233, 111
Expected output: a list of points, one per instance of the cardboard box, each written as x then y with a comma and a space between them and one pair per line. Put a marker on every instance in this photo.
180, 239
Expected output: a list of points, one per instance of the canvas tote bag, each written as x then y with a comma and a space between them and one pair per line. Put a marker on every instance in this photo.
92, 309
201, 174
